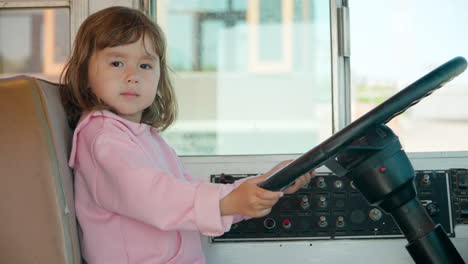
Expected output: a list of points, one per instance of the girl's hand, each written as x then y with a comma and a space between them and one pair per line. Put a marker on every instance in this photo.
300, 182
250, 200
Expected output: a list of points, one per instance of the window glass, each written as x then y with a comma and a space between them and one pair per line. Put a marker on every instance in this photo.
34, 42
251, 77
394, 43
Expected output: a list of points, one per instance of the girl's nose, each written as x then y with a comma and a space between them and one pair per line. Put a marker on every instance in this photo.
132, 76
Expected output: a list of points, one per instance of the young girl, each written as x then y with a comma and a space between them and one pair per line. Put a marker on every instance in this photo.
134, 201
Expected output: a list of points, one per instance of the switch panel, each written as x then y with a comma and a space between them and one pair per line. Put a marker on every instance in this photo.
459, 178
330, 207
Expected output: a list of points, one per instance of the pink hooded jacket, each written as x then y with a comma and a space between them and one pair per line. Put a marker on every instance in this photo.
134, 201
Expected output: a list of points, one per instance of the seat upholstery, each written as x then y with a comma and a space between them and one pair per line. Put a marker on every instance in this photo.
37, 216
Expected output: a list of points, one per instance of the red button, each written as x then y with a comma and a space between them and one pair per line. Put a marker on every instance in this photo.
382, 169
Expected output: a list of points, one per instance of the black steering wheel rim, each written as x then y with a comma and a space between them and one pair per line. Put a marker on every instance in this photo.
381, 114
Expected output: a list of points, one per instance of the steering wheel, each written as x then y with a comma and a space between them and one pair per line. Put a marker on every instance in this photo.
381, 114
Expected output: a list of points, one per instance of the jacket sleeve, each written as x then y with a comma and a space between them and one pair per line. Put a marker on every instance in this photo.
225, 190
127, 183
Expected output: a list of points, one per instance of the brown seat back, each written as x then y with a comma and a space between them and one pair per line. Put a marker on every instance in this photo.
37, 216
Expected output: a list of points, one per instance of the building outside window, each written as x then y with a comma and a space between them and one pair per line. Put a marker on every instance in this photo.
251, 77
34, 41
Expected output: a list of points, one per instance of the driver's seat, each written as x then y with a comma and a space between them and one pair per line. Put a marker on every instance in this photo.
37, 215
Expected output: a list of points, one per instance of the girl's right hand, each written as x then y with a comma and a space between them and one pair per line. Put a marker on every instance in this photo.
250, 200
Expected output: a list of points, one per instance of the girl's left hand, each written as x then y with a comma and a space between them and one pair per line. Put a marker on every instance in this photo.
300, 182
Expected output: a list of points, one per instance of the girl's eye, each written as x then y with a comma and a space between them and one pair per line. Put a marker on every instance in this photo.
146, 66
117, 63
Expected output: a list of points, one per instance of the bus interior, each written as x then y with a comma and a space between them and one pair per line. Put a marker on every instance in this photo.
257, 82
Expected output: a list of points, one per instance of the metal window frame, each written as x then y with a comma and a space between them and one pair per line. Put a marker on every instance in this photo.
341, 77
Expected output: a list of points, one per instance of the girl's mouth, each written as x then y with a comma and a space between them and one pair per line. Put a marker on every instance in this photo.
129, 94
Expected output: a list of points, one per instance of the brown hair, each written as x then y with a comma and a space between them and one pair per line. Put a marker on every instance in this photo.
112, 27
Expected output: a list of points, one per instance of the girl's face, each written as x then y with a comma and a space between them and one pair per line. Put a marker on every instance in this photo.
126, 77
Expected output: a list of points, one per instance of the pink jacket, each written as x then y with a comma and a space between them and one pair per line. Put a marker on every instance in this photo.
134, 201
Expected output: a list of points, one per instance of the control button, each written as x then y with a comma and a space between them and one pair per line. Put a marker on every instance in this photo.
432, 209
321, 182
322, 203
269, 223
338, 184
305, 202
426, 180
322, 222
375, 214
340, 221
286, 223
